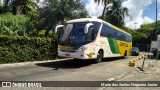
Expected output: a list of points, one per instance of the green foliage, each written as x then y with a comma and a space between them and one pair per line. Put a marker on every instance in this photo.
14, 25
116, 13
42, 33
148, 29
127, 30
25, 7
45, 18
105, 3
57, 11
143, 36
21, 49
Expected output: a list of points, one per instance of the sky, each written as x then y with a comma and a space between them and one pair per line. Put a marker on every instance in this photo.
142, 11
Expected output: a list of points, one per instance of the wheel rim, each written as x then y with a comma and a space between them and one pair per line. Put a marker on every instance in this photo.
99, 57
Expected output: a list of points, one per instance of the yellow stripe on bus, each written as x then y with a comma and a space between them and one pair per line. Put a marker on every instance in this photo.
124, 46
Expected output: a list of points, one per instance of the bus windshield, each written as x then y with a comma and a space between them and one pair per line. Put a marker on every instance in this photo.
74, 35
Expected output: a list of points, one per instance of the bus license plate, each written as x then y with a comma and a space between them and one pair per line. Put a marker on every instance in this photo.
67, 54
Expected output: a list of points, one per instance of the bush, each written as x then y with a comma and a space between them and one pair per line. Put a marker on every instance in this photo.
41, 33
22, 48
16, 25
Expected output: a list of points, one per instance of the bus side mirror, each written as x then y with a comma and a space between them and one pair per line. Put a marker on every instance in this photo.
87, 27
59, 26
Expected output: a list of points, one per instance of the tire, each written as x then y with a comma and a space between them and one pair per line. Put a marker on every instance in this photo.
137, 54
99, 57
125, 55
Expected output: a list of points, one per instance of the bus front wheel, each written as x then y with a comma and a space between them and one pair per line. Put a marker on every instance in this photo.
99, 57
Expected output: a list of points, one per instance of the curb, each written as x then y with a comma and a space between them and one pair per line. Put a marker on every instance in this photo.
28, 63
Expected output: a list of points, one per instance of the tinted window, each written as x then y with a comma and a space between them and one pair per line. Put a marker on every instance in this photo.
104, 31
107, 31
135, 48
96, 25
110, 32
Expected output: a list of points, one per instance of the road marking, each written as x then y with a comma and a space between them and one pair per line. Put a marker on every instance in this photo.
123, 74
119, 76
119, 64
101, 88
126, 77
111, 79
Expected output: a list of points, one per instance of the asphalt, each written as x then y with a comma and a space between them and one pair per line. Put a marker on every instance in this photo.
110, 69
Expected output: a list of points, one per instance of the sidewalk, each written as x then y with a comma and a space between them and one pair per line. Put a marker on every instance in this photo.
153, 65
150, 71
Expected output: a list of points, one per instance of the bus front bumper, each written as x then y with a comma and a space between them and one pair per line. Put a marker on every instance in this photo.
77, 55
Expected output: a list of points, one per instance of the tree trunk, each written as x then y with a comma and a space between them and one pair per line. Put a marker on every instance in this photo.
47, 32
105, 6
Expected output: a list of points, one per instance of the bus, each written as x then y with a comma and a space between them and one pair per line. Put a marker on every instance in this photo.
91, 38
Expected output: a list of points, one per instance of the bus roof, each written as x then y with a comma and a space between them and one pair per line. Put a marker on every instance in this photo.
97, 20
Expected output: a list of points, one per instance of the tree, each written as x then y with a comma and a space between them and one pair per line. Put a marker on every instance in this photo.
127, 29
1, 7
144, 35
116, 13
57, 11
28, 8
105, 2
25, 7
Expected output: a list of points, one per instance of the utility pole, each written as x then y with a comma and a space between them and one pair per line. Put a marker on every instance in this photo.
156, 23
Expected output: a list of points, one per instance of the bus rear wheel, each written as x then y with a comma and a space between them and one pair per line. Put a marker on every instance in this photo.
99, 57
125, 55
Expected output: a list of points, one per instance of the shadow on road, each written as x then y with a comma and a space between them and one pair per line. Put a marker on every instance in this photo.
66, 64
140, 68
72, 64
112, 59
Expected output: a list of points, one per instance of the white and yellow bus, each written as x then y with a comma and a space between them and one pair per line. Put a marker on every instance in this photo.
91, 38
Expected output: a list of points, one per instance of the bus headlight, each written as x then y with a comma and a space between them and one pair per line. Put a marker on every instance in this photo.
81, 49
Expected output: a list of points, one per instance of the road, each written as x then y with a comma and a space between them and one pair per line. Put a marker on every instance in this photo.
112, 69
67, 70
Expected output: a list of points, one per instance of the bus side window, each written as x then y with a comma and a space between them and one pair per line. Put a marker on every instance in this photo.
96, 26
125, 37
104, 31
110, 32
114, 33
128, 38
119, 35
